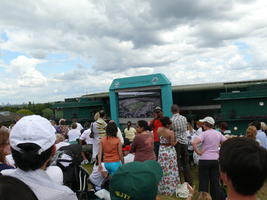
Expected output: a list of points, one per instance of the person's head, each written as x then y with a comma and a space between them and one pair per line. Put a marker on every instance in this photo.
251, 132
96, 116
126, 150
263, 125
257, 124
111, 129
74, 125
166, 122
12, 188
32, 142
243, 165
129, 123
102, 114
62, 122
59, 138
141, 126
189, 127
175, 109
4, 145
208, 122
223, 126
199, 124
141, 182
201, 196
157, 112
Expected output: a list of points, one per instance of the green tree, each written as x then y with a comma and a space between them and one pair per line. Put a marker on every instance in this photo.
25, 112
47, 113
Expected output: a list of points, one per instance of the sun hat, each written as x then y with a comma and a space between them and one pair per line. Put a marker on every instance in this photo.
210, 120
136, 181
33, 129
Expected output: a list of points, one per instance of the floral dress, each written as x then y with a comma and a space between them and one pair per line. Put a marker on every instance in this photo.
168, 162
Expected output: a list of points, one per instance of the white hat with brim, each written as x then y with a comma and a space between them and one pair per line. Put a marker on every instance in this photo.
33, 129
209, 120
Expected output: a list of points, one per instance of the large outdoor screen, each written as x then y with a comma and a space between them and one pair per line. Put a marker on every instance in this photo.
138, 104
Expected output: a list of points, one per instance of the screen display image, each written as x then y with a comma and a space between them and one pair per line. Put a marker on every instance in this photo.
138, 104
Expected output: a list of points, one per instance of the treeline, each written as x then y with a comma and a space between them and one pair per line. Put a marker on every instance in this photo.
43, 109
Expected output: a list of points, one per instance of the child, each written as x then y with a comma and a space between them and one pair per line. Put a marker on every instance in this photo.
110, 147
128, 157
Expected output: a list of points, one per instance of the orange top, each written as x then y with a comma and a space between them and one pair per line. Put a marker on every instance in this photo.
110, 147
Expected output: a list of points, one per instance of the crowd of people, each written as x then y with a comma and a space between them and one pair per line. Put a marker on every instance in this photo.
152, 158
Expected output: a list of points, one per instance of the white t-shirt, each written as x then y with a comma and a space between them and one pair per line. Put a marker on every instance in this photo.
119, 135
129, 158
79, 126
86, 136
96, 176
74, 134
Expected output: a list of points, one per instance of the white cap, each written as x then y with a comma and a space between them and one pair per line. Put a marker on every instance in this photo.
33, 129
210, 120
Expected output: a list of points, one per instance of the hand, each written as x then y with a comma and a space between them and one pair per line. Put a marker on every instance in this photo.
100, 168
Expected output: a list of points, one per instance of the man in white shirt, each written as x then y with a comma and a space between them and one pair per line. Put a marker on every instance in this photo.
74, 133
32, 142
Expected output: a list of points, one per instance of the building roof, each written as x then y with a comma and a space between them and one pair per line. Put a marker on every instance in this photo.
195, 87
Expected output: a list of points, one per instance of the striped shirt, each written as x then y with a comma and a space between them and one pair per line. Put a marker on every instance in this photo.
179, 127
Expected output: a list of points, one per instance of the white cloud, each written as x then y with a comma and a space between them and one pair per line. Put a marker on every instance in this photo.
190, 41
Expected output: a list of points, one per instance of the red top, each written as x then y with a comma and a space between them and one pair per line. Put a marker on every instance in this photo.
110, 147
156, 124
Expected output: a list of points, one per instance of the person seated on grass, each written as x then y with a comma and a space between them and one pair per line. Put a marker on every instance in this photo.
128, 157
243, 167
97, 177
136, 181
32, 141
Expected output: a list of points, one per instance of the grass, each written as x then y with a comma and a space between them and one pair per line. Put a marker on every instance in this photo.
262, 194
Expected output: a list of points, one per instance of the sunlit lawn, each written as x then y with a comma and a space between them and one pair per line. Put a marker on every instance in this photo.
262, 194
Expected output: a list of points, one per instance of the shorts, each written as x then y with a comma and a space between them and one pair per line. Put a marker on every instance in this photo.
112, 167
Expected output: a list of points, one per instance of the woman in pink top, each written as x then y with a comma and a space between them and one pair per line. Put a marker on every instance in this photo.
143, 143
209, 155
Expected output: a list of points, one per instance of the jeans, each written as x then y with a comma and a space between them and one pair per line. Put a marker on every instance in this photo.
183, 162
209, 176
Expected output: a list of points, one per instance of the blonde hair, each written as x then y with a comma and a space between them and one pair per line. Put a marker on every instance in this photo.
251, 132
97, 115
201, 196
59, 138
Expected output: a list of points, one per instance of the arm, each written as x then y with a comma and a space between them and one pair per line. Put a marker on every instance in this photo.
195, 142
120, 152
173, 139
100, 156
133, 146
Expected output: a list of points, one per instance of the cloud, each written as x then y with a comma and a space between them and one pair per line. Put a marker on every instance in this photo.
190, 41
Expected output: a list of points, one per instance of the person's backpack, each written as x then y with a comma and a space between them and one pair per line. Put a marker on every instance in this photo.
69, 159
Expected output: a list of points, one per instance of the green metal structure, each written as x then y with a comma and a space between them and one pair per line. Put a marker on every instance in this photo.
239, 108
140, 84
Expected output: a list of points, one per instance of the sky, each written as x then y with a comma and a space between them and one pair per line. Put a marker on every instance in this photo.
51, 50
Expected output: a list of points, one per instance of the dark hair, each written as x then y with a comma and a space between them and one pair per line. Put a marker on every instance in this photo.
143, 124
12, 188
126, 142
112, 129
208, 124
257, 124
245, 163
223, 125
175, 108
165, 121
4, 137
28, 158
74, 125
102, 113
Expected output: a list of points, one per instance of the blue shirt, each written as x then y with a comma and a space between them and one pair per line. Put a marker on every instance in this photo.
262, 138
